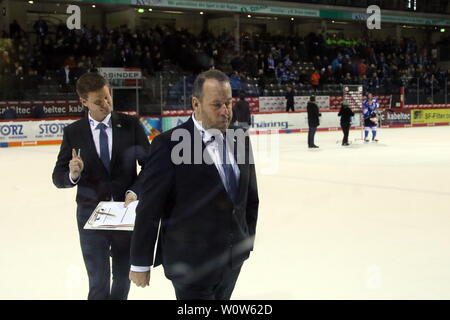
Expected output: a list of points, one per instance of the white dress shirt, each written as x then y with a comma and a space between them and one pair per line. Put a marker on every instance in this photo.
66, 71
213, 150
96, 136
214, 153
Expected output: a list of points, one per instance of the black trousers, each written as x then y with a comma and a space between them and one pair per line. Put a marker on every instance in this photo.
98, 248
289, 107
346, 130
311, 134
220, 291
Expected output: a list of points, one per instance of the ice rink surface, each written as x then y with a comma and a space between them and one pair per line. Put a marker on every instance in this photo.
369, 221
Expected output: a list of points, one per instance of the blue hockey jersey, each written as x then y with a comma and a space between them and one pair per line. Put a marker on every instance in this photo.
369, 107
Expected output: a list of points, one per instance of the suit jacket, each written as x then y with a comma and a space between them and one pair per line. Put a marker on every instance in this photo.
313, 114
130, 144
346, 114
290, 97
201, 230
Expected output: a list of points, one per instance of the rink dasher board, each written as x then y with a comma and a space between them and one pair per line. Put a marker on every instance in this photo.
391, 126
252, 132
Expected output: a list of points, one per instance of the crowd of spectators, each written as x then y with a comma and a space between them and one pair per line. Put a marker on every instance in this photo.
310, 62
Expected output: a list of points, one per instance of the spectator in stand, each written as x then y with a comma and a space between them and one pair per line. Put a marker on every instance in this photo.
235, 81
287, 61
315, 80
161, 46
14, 29
146, 62
270, 65
41, 28
70, 61
236, 62
329, 75
65, 77
10, 113
348, 79
374, 83
336, 63
261, 82
431, 86
362, 68
282, 73
318, 63
365, 83
38, 112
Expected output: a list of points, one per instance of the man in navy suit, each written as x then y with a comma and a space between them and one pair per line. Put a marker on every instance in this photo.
200, 185
98, 155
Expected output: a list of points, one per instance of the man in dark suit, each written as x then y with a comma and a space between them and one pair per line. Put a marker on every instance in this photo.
205, 197
99, 154
241, 113
290, 96
313, 120
346, 115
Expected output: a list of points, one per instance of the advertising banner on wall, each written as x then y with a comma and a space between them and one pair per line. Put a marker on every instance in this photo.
278, 104
168, 123
50, 108
294, 121
277, 121
252, 101
152, 126
32, 130
425, 116
384, 100
274, 121
393, 117
122, 77
272, 104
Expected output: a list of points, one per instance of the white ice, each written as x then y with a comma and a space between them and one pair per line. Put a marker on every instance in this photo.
369, 221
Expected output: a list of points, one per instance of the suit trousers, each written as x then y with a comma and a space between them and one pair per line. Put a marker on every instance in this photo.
98, 246
219, 291
346, 130
311, 134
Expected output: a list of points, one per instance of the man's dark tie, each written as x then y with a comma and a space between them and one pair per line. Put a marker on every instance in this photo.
232, 186
104, 148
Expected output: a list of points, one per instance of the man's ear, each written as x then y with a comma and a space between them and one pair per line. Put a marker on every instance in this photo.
195, 103
83, 102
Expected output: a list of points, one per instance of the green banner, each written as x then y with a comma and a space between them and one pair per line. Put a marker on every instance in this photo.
414, 20
216, 6
277, 10
129, 2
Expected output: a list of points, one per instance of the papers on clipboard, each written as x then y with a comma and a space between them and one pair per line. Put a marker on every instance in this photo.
113, 215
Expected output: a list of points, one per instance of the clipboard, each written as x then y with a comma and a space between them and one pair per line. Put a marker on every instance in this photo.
110, 215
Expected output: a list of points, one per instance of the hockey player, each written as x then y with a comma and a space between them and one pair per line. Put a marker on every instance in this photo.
370, 106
